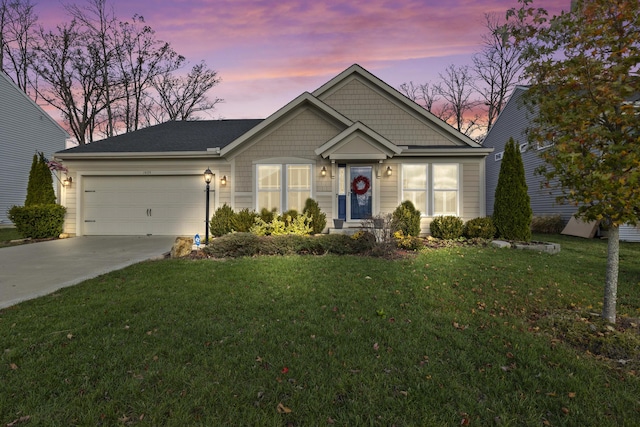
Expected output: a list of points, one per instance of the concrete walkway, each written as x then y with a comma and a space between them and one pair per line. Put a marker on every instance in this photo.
36, 269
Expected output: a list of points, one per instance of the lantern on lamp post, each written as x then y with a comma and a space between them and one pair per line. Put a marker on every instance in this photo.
208, 177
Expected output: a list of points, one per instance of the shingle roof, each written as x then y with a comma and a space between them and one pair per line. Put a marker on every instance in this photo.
172, 136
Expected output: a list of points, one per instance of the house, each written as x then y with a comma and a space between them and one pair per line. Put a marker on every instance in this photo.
513, 122
355, 145
25, 129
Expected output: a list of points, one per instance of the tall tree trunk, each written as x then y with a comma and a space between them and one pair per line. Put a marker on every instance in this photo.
611, 284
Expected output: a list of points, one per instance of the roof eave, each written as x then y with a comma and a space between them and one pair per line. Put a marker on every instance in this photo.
139, 155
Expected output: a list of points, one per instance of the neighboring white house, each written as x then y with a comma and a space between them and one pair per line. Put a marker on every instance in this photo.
513, 122
25, 128
355, 145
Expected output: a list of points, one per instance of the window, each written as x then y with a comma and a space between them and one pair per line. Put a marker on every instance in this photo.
296, 180
499, 156
269, 193
523, 148
298, 186
414, 186
445, 189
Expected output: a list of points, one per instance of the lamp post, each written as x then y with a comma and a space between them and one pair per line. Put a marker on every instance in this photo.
208, 176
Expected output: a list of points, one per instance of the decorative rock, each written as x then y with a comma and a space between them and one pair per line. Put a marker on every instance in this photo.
500, 244
181, 247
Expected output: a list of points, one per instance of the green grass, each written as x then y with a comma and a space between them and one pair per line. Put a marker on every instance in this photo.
450, 336
8, 234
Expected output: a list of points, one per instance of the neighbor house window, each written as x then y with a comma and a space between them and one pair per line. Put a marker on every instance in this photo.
445, 189
295, 180
414, 186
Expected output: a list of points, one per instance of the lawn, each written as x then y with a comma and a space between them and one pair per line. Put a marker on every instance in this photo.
8, 234
454, 336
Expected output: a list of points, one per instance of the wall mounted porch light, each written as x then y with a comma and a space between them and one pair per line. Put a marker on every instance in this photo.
208, 177
223, 180
67, 181
389, 170
323, 171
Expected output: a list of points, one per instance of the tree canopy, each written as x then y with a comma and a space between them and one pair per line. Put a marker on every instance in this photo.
582, 68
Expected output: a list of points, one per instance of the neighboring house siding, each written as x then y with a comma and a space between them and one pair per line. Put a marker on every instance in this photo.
359, 102
512, 123
24, 130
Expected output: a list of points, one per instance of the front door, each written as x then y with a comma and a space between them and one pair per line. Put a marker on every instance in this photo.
360, 192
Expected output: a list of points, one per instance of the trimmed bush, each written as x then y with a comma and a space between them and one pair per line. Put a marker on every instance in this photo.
552, 224
512, 207
222, 221
281, 225
406, 218
479, 228
38, 221
243, 221
446, 227
318, 218
248, 244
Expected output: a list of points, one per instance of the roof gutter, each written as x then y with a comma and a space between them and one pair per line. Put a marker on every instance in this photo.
443, 152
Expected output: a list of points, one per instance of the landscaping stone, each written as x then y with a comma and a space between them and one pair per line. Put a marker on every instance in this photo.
500, 244
550, 248
181, 247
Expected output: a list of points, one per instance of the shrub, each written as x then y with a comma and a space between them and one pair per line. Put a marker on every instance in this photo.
410, 243
234, 245
279, 226
512, 208
222, 221
552, 224
243, 220
38, 221
267, 215
248, 244
446, 227
318, 218
479, 228
406, 218
288, 217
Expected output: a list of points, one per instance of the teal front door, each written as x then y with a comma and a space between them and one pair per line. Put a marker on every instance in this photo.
360, 192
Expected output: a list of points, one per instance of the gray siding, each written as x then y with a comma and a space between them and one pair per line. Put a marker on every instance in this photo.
513, 122
24, 129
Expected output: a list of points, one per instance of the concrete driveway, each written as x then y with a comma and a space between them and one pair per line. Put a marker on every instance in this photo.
36, 269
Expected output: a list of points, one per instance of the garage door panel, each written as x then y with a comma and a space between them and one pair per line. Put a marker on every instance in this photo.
139, 205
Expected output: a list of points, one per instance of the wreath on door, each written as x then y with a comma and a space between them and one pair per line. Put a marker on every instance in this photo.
360, 185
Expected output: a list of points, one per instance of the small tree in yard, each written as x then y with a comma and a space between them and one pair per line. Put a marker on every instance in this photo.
40, 185
512, 209
582, 68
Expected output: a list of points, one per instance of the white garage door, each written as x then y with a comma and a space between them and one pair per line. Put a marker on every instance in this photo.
141, 205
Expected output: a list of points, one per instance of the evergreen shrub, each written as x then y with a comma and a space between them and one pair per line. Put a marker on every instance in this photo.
318, 218
38, 221
446, 227
406, 218
512, 208
222, 221
479, 228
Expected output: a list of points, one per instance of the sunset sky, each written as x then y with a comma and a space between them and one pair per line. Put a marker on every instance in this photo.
267, 52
